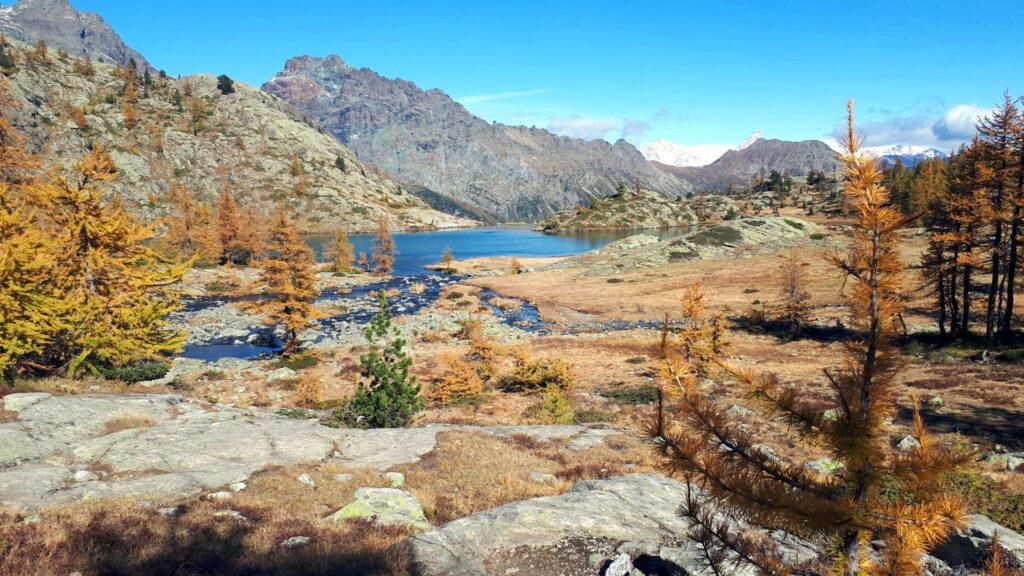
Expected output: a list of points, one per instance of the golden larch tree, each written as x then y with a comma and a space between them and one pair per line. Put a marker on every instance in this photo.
748, 486
447, 259
115, 285
30, 308
342, 254
289, 280
383, 248
795, 298
228, 227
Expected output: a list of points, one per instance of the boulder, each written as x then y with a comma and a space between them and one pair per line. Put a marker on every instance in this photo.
581, 532
970, 546
275, 376
385, 506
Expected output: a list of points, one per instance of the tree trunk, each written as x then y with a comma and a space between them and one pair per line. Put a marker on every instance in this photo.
993, 286
965, 318
942, 302
1011, 270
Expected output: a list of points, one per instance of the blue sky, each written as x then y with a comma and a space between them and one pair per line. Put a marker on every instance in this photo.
690, 72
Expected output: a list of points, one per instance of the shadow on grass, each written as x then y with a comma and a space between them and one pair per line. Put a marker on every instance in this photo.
783, 330
984, 423
130, 542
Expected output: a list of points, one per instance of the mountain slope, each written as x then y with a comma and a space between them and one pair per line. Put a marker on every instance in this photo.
499, 172
61, 26
248, 142
738, 166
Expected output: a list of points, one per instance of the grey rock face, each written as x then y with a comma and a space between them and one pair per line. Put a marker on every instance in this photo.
191, 448
61, 26
970, 546
581, 532
248, 141
488, 169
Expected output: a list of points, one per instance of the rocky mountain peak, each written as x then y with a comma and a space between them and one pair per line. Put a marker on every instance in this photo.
459, 161
62, 26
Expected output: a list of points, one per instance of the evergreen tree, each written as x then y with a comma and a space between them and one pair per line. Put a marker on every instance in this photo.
289, 278
342, 254
387, 396
849, 507
225, 84
383, 248
7, 63
339, 163
114, 284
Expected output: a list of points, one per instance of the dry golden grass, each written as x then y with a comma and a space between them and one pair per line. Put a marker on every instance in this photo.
469, 472
119, 537
128, 421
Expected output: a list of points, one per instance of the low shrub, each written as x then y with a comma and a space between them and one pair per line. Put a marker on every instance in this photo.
453, 295
636, 360
470, 328
297, 361
460, 384
641, 395
555, 408
717, 236
133, 373
529, 374
1011, 355
591, 416
615, 280
308, 391
818, 236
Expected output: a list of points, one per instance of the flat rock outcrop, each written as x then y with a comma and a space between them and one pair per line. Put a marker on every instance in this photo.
625, 210
580, 532
730, 239
66, 448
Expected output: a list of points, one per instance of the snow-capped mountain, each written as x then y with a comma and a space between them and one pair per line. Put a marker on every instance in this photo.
908, 155
668, 152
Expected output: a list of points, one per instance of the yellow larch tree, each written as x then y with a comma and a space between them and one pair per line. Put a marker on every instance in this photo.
228, 227
30, 309
795, 298
289, 280
342, 254
116, 287
383, 248
748, 486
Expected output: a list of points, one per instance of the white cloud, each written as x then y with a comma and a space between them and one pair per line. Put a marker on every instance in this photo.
945, 132
500, 96
583, 127
590, 128
958, 122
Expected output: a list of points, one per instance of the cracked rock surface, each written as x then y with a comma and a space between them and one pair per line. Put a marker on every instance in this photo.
184, 446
